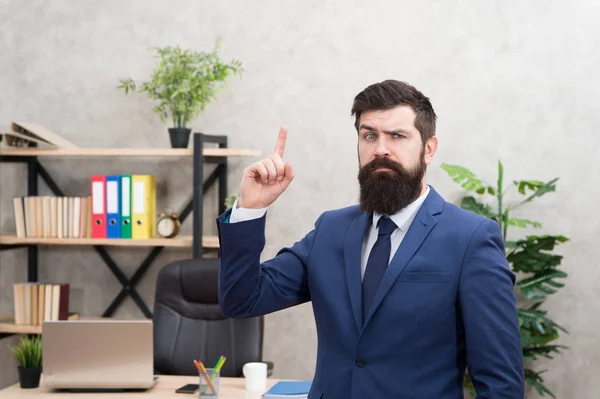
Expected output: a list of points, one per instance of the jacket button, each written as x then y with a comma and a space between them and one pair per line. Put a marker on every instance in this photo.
360, 362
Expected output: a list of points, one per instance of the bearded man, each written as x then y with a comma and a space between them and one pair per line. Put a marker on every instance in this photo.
408, 291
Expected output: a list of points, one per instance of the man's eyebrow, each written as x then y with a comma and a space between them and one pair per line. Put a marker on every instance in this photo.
372, 129
366, 127
396, 131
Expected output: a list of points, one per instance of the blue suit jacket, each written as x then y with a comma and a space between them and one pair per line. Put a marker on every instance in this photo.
446, 302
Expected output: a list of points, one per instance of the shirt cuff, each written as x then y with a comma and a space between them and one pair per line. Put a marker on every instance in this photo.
245, 214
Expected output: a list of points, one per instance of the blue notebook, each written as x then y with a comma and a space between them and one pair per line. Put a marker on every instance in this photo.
288, 389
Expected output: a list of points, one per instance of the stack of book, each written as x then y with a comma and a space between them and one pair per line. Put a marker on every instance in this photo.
53, 217
39, 302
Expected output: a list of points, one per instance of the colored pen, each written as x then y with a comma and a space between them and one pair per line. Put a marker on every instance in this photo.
220, 364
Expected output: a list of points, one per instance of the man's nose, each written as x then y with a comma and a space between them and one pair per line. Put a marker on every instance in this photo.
381, 150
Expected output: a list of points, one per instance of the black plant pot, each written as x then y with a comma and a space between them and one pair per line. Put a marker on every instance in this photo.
29, 377
180, 137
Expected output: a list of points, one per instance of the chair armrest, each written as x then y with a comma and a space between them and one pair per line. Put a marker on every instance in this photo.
270, 367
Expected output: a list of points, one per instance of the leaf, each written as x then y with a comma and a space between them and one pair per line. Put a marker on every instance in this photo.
523, 223
500, 177
529, 340
543, 189
471, 204
535, 323
546, 351
524, 185
541, 281
531, 253
463, 176
482, 190
127, 85
535, 380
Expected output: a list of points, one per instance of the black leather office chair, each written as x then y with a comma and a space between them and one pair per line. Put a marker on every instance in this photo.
188, 323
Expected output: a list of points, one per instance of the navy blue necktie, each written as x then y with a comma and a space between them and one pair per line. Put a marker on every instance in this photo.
377, 263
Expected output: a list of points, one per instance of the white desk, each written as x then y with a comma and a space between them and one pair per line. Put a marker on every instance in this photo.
231, 388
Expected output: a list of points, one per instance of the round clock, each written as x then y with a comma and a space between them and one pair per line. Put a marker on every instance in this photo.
167, 225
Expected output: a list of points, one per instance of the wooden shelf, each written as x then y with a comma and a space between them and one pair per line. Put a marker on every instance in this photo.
8, 326
126, 152
182, 241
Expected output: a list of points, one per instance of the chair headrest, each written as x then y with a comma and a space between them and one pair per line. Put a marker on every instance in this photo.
194, 280
199, 280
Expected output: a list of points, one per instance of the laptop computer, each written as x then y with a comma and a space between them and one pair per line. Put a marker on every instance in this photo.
98, 355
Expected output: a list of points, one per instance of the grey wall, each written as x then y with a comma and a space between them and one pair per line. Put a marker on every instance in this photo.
510, 80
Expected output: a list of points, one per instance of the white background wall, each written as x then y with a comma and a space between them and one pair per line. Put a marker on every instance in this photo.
510, 80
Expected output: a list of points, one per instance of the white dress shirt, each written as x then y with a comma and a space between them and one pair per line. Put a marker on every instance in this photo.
403, 220
244, 214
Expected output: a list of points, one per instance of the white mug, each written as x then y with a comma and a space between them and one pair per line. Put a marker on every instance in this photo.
256, 376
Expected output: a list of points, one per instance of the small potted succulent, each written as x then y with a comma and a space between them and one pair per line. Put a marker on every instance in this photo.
29, 359
184, 82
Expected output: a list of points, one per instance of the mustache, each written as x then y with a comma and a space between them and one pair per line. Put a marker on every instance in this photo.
383, 163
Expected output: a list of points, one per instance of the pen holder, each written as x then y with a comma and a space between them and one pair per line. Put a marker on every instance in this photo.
209, 383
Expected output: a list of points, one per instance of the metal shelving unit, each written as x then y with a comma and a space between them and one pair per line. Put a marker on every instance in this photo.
198, 242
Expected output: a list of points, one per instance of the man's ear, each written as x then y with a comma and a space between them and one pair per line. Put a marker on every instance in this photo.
430, 149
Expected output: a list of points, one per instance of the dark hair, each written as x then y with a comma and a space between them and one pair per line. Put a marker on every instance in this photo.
392, 93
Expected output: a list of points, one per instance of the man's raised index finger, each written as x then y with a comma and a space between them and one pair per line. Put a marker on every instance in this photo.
281, 139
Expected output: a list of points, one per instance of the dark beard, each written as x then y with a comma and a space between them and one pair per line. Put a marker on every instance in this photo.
388, 192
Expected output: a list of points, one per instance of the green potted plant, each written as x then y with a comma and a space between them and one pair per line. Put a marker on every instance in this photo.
530, 257
184, 82
29, 359
229, 201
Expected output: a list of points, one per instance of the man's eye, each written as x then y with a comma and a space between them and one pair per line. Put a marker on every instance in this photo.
370, 136
398, 136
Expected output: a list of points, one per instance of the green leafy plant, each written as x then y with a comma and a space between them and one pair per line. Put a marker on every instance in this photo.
28, 352
531, 257
184, 82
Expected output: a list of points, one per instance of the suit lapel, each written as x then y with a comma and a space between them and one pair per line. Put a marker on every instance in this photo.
416, 234
352, 259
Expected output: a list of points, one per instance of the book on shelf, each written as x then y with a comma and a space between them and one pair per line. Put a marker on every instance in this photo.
35, 303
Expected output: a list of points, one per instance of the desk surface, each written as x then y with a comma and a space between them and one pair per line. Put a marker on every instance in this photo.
231, 388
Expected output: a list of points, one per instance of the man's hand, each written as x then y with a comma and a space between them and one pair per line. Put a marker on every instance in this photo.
264, 181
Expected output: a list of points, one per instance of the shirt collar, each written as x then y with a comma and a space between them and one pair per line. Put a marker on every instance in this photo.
405, 216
